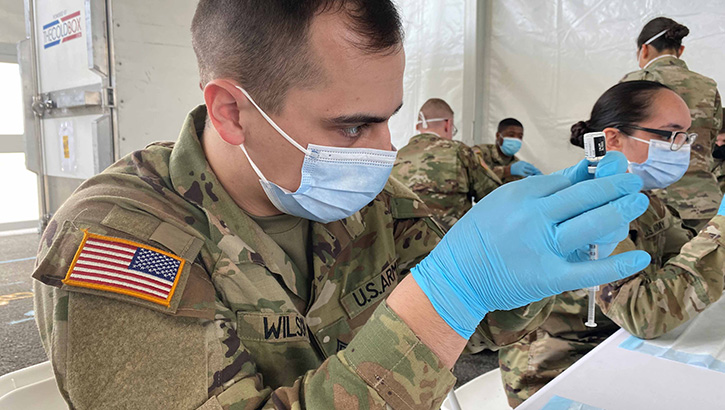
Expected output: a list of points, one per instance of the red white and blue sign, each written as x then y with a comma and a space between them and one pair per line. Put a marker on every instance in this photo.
62, 30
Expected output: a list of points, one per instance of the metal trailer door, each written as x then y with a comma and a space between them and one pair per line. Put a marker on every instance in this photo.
68, 95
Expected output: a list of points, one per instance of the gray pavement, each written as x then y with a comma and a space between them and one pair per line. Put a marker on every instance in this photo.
19, 340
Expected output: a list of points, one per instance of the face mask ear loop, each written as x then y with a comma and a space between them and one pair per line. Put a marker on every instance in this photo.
422, 120
254, 166
273, 124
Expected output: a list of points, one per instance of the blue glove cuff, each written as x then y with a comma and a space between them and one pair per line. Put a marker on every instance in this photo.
721, 211
447, 300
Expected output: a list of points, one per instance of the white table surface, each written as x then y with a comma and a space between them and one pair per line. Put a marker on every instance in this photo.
613, 378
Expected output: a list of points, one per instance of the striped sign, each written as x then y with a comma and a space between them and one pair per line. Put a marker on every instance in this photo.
125, 267
62, 29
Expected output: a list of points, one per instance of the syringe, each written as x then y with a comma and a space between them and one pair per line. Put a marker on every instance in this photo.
595, 148
592, 292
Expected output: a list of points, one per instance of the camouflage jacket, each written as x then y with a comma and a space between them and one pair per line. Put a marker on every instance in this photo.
241, 328
444, 174
696, 196
488, 154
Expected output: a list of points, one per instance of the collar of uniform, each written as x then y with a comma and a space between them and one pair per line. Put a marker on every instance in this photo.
498, 157
665, 60
235, 233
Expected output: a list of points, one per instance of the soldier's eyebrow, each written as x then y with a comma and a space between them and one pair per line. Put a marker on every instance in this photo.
674, 126
361, 118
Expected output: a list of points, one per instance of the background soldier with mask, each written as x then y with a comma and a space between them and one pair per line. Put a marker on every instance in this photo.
501, 156
696, 196
444, 173
266, 260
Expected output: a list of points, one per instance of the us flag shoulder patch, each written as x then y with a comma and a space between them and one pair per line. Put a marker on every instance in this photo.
125, 267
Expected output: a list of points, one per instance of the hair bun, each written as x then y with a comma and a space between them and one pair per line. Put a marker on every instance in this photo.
677, 33
577, 133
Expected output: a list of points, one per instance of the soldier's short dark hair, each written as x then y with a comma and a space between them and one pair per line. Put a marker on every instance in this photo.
671, 40
509, 122
264, 44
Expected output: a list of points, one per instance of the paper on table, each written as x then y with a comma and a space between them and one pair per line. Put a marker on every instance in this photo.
562, 403
699, 342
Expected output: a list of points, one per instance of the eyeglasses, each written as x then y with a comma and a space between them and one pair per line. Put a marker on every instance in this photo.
677, 138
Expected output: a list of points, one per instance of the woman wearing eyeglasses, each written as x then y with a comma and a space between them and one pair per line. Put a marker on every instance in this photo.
648, 123
659, 48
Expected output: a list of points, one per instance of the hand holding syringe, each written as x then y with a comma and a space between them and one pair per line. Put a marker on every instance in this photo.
595, 148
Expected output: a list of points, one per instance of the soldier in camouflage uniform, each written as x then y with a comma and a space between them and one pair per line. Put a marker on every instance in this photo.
444, 173
685, 276
270, 311
501, 157
247, 321
696, 196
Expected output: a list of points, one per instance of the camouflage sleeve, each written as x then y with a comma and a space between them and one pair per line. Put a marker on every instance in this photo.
656, 301
162, 362
481, 179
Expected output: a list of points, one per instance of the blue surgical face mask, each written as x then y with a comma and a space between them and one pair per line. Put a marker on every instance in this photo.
663, 166
510, 146
336, 182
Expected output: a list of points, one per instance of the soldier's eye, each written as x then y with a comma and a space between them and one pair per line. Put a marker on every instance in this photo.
354, 132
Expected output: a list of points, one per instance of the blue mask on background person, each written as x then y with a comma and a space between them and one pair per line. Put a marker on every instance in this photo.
510, 146
336, 182
663, 166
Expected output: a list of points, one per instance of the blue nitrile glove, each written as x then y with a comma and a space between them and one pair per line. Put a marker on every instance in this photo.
613, 163
721, 211
524, 169
515, 246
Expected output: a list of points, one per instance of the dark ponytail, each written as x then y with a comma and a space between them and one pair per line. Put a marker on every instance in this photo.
625, 103
671, 40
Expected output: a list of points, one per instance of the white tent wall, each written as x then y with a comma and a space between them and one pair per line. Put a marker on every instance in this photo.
549, 61
435, 44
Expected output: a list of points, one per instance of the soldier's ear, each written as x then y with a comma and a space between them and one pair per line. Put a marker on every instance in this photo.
614, 139
645, 51
680, 51
227, 108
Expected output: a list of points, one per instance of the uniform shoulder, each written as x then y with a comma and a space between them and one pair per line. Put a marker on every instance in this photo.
396, 189
136, 236
640, 75
484, 147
